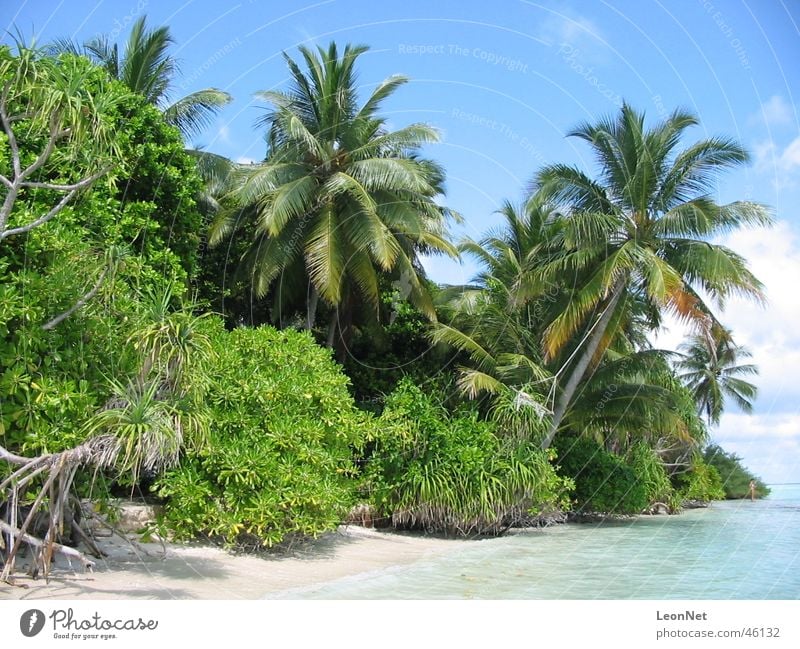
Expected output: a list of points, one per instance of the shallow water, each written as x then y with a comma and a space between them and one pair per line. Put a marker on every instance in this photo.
732, 550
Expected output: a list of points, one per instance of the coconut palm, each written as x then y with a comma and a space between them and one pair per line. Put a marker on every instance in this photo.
500, 336
146, 67
340, 198
640, 231
710, 367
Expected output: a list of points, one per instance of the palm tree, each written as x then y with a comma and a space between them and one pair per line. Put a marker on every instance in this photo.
640, 232
148, 69
340, 198
501, 336
711, 369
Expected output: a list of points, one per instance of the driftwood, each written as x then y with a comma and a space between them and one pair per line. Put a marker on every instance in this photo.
57, 472
57, 547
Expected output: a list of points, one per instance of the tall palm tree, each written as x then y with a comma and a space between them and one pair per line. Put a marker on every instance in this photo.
640, 231
340, 198
146, 67
710, 367
501, 336
630, 396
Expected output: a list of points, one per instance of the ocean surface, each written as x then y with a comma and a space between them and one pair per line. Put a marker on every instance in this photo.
732, 550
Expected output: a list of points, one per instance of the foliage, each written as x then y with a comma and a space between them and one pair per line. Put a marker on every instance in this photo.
148, 69
499, 338
650, 472
711, 368
701, 482
279, 460
735, 477
604, 482
633, 398
382, 352
452, 473
142, 222
340, 199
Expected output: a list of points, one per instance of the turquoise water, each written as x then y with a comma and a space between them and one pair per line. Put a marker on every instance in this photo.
732, 550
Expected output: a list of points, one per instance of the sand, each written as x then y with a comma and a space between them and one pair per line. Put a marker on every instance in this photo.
153, 571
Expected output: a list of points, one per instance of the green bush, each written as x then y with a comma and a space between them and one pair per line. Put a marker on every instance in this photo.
701, 482
452, 473
52, 382
735, 477
651, 474
279, 461
604, 483
382, 353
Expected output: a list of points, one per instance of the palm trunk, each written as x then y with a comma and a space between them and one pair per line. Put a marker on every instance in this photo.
332, 328
311, 312
578, 372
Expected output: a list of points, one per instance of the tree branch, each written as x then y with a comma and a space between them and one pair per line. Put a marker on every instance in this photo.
88, 564
55, 135
79, 304
6, 211
12, 141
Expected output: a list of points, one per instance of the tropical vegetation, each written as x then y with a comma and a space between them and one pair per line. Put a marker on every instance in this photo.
131, 361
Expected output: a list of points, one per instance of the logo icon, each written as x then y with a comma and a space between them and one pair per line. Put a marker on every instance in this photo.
31, 622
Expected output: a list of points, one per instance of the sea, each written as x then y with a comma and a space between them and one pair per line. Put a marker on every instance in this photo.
730, 550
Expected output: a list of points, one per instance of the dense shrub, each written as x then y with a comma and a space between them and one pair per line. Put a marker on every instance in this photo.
452, 473
380, 354
651, 474
603, 481
735, 477
139, 224
701, 482
279, 461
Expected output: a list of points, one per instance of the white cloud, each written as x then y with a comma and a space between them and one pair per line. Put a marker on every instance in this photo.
769, 439
580, 33
773, 113
773, 256
781, 165
769, 445
245, 160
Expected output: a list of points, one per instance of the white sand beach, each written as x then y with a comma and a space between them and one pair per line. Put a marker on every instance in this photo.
146, 571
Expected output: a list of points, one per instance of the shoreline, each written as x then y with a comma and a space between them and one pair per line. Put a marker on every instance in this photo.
137, 570
193, 571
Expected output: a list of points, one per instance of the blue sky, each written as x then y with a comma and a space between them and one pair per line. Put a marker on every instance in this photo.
504, 81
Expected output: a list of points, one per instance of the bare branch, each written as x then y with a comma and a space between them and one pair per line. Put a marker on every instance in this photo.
88, 564
79, 304
55, 135
56, 188
53, 212
12, 141
18, 459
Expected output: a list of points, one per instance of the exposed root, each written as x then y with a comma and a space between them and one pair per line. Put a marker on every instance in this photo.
51, 513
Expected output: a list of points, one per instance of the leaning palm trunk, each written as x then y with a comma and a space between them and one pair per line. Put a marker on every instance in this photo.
578, 372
